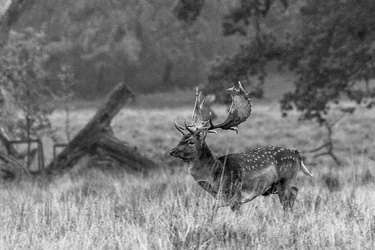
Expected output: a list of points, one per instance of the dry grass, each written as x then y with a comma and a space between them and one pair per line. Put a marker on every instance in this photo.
92, 209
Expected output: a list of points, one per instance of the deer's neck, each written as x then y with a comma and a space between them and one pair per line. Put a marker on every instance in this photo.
203, 167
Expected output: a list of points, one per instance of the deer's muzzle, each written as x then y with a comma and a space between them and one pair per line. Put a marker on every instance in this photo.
173, 152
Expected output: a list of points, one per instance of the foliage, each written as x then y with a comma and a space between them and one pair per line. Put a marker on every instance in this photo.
140, 42
188, 10
249, 62
23, 77
247, 65
332, 53
331, 50
236, 21
333, 56
248, 13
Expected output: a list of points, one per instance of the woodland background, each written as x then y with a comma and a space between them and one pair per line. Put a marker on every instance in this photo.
140, 42
309, 65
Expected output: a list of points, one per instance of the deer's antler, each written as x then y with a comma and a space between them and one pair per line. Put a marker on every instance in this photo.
197, 118
239, 111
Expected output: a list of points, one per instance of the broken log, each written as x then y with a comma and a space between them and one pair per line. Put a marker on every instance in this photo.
13, 156
97, 138
7, 142
8, 159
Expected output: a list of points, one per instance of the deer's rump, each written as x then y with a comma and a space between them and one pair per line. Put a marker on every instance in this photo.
259, 173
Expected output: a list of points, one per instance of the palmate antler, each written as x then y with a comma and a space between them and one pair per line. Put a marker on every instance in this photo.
239, 111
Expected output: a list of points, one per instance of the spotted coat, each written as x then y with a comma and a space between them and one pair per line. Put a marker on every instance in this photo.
261, 170
235, 179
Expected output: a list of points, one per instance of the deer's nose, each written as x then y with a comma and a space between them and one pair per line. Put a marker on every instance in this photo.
173, 152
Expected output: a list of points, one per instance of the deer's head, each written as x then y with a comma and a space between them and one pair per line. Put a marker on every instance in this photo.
190, 146
192, 143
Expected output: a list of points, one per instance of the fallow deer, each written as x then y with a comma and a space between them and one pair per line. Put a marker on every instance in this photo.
238, 178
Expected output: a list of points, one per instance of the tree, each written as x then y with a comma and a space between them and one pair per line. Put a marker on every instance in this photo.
23, 74
332, 52
246, 20
141, 41
13, 11
333, 57
23, 77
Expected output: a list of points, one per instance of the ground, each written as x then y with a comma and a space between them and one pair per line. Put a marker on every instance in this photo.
94, 209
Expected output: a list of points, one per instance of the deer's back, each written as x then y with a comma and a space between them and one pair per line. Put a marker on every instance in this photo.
261, 168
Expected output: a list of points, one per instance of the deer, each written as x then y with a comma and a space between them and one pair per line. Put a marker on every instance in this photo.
238, 178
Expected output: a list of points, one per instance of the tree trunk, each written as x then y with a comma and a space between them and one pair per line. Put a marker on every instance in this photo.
97, 138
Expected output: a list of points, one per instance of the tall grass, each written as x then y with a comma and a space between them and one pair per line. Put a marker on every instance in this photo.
94, 209
164, 211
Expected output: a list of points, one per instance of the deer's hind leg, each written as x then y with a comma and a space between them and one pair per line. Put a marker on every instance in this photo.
271, 190
293, 196
235, 206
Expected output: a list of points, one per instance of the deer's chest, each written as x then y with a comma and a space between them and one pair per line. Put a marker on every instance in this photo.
202, 177
209, 180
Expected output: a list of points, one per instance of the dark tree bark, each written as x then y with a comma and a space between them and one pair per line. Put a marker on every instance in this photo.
6, 141
11, 16
12, 156
9, 159
97, 138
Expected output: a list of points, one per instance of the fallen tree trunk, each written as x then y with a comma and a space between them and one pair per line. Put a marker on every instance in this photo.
97, 138
12, 156
6, 141
8, 159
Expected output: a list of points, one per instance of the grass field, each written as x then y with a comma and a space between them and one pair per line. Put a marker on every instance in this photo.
94, 209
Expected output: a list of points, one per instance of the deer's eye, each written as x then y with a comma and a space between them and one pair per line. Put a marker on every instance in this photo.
191, 142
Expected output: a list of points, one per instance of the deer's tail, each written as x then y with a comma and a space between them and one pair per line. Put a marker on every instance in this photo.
303, 167
305, 170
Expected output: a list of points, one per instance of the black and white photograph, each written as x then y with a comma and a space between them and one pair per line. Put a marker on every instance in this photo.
187, 124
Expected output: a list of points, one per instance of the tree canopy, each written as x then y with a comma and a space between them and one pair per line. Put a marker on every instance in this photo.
140, 42
333, 56
329, 45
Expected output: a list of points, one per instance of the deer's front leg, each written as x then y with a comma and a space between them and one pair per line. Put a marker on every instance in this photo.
231, 196
208, 188
225, 197
287, 195
224, 200
220, 202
